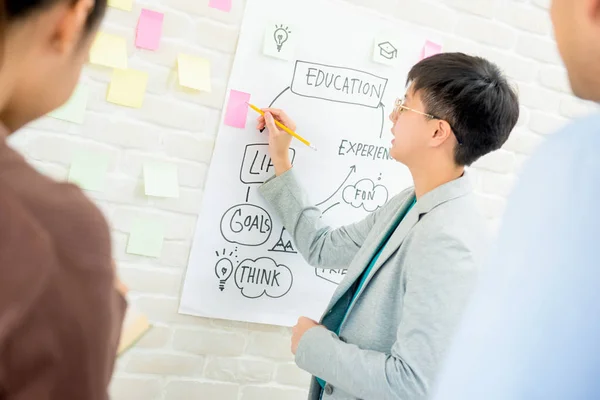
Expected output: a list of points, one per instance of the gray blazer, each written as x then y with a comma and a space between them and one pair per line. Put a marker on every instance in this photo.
397, 332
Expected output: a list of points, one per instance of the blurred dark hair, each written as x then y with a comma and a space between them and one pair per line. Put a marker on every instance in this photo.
12, 10
473, 96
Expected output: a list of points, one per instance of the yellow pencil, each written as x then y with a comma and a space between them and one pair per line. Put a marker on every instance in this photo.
285, 128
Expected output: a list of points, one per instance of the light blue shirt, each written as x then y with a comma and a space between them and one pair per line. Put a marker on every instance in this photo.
532, 330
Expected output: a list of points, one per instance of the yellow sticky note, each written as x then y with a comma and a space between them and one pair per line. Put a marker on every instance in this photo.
109, 51
146, 238
126, 5
128, 88
194, 72
74, 109
161, 179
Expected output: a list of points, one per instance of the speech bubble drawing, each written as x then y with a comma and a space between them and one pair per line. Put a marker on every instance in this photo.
246, 224
263, 276
366, 194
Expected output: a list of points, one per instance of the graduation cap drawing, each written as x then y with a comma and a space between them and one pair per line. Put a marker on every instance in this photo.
387, 50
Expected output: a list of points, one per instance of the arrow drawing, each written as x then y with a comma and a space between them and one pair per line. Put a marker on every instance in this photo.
336, 204
352, 170
279, 95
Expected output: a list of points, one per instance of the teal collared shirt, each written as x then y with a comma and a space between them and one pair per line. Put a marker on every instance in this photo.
367, 271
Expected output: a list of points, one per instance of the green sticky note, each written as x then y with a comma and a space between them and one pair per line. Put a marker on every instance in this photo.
88, 170
146, 237
161, 179
74, 109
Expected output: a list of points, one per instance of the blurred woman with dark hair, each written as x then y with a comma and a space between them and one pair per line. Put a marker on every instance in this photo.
61, 306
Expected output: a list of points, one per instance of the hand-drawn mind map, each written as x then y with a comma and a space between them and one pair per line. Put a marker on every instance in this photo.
249, 225
331, 66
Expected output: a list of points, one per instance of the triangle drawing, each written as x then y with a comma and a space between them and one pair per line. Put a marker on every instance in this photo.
284, 244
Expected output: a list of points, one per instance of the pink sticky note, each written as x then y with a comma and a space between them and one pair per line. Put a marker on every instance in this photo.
149, 30
223, 5
237, 109
430, 49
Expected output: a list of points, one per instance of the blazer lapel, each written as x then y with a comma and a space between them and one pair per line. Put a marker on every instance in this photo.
449, 191
365, 256
396, 240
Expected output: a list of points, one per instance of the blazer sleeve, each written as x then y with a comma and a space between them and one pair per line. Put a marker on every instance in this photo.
439, 281
320, 245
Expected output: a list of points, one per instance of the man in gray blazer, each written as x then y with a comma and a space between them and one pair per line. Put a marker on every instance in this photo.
411, 264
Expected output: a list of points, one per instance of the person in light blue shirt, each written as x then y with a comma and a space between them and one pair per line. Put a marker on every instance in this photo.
532, 330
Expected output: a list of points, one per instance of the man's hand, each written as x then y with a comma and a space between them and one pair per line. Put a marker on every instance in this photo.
279, 140
303, 325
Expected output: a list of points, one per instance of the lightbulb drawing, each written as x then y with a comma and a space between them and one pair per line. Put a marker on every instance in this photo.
223, 269
281, 36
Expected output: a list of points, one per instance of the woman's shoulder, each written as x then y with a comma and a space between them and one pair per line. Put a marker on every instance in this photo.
27, 260
62, 211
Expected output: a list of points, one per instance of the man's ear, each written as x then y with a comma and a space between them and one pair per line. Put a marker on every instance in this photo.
70, 26
442, 132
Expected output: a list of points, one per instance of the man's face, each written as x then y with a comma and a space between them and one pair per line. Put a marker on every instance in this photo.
577, 31
411, 130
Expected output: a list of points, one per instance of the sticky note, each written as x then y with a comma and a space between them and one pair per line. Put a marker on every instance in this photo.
88, 170
279, 41
237, 109
74, 109
223, 5
194, 72
161, 179
430, 49
386, 49
126, 5
149, 30
128, 87
109, 51
146, 237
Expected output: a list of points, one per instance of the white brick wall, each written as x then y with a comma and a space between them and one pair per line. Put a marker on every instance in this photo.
194, 358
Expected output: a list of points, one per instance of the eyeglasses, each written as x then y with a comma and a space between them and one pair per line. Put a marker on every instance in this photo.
399, 107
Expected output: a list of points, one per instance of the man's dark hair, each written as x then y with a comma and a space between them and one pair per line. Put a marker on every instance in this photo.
473, 96
15, 9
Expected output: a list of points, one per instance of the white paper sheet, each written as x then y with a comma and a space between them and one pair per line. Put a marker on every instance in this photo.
244, 265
